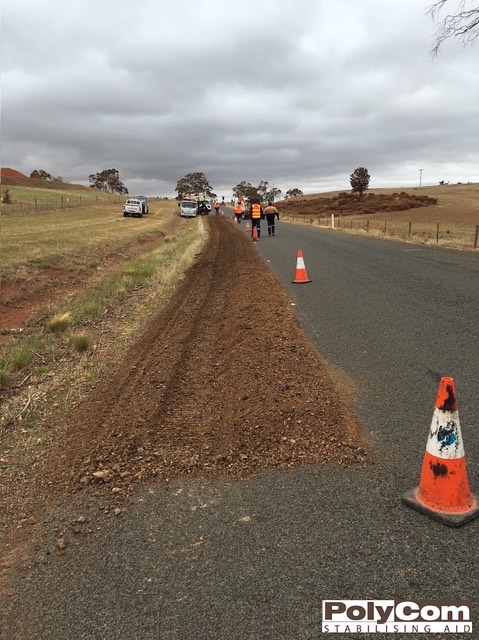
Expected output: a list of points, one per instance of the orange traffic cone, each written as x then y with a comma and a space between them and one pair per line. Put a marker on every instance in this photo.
255, 235
236, 220
443, 492
247, 228
301, 275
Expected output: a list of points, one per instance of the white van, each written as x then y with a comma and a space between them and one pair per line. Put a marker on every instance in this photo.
188, 208
133, 207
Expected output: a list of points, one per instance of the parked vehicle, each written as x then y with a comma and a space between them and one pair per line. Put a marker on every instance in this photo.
188, 208
204, 208
133, 207
144, 201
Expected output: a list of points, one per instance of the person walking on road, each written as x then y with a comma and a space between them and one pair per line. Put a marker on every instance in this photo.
217, 208
238, 212
256, 213
271, 213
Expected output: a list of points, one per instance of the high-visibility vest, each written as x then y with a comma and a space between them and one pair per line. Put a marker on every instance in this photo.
271, 209
255, 211
238, 209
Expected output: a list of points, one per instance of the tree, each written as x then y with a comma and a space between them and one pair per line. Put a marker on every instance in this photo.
263, 189
108, 180
271, 195
359, 180
194, 184
245, 190
6, 197
40, 174
463, 25
293, 193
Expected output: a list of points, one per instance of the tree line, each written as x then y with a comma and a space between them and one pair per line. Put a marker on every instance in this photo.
197, 183
107, 180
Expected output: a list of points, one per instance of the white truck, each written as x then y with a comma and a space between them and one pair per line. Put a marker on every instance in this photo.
133, 207
144, 202
188, 208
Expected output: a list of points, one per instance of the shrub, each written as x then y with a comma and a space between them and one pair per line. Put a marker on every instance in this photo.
81, 342
6, 197
59, 323
5, 378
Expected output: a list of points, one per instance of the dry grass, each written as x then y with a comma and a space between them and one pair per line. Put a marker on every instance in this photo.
60, 322
122, 294
29, 195
59, 238
452, 222
81, 342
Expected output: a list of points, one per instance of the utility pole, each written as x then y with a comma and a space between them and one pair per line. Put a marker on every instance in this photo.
420, 177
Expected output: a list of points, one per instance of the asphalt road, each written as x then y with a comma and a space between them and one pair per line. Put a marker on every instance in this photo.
254, 559
393, 317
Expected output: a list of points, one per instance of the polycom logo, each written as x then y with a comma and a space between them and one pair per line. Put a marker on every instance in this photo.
397, 616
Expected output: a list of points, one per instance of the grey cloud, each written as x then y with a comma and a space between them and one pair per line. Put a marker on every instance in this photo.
298, 94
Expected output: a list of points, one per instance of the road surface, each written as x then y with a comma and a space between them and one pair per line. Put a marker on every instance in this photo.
254, 558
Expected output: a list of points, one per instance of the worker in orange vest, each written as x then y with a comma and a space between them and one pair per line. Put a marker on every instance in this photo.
238, 212
256, 213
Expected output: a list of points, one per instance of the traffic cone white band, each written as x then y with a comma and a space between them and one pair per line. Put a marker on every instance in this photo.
300, 263
445, 440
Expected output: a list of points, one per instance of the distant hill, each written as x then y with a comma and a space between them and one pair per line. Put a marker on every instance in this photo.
451, 204
6, 172
14, 178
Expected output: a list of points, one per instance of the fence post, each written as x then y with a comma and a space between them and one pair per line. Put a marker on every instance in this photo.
36, 208
437, 234
367, 226
410, 230
385, 226
477, 236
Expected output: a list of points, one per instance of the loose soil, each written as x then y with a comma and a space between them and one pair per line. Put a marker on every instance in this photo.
223, 381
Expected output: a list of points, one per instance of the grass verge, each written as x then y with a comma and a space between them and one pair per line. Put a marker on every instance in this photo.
43, 366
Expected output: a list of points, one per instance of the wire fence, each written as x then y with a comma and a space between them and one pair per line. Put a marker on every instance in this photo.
418, 232
38, 205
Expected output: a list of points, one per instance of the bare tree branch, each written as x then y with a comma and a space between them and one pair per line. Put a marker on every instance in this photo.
463, 25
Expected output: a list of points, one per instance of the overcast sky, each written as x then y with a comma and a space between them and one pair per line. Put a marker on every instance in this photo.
297, 93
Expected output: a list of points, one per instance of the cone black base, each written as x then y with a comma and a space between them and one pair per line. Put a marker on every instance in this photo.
450, 519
